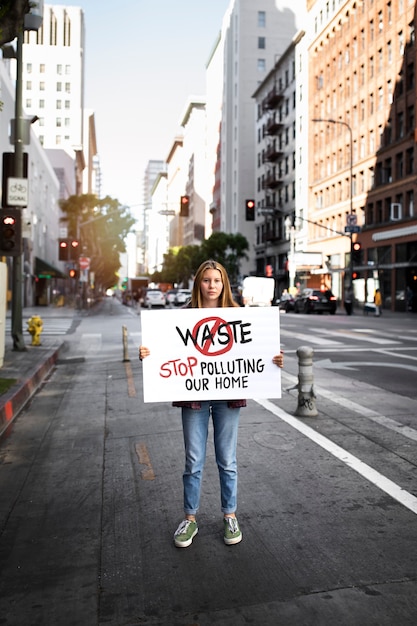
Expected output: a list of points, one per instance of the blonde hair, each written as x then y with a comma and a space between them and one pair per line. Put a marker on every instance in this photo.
226, 297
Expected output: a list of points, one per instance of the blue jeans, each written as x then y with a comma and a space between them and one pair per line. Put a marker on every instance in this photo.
195, 424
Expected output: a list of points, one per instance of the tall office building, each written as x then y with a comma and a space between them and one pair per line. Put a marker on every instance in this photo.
53, 77
255, 34
53, 90
362, 142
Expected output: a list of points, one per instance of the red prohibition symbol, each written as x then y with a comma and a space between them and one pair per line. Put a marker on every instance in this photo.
208, 340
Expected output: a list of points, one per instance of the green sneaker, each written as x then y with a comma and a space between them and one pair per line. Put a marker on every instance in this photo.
232, 533
185, 533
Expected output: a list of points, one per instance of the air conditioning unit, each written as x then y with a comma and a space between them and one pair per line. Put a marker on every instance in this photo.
396, 211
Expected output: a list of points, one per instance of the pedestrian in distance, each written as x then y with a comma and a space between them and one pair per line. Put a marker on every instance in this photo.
211, 289
349, 300
378, 302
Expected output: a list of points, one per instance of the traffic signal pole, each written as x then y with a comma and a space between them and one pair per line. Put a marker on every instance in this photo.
17, 268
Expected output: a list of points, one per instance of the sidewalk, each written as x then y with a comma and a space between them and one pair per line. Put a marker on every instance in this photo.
28, 368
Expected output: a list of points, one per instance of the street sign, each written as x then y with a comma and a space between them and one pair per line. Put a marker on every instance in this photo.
351, 219
84, 263
352, 229
17, 192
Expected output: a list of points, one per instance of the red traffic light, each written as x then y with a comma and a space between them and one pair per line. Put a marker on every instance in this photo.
184, 206
250, 210
63, 244
9, 220
357, 246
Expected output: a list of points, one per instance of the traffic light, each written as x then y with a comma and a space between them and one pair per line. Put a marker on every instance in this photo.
74, 249
10, 232
357, 253
184, 206
63, 249
250, 210
355, 275
73, 273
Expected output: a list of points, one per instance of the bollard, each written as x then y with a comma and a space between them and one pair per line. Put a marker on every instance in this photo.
125, 351
35, 326
306, 399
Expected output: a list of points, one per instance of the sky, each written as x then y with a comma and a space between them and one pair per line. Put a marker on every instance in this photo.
143, 59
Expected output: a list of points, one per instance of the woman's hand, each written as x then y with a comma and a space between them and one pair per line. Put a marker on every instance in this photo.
143, 352
278, 359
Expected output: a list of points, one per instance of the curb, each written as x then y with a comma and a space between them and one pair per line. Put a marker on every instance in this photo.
12, 402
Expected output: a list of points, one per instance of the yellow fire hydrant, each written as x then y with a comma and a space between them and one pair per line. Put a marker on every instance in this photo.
35, 326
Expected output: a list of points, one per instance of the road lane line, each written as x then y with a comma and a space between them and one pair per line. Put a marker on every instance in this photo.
131, 390
379, 480
143, 456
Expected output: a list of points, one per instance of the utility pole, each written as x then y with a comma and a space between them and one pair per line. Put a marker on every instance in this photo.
17, 271
32, 21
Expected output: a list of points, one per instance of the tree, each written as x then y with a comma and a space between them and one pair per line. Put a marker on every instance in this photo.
12, 16
101, 226
180, 264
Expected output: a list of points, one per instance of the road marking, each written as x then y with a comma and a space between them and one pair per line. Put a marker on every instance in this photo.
143, 456
381, 482
354, 335
131, 390
363, 411
311, 338
351, 365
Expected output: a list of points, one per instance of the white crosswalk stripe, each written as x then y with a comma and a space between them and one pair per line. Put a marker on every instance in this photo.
51, 327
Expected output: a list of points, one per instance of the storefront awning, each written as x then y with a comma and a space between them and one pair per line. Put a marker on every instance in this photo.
45, 270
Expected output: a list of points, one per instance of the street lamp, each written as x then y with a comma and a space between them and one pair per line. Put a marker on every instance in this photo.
332, 121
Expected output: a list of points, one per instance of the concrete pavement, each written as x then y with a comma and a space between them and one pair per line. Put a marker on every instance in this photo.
31, 367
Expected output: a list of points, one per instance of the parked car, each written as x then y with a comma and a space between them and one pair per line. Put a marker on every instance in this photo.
315, 301
154, 298
286, 302
170, 296
183, 295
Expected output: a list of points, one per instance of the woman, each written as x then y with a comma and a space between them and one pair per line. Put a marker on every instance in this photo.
211, 289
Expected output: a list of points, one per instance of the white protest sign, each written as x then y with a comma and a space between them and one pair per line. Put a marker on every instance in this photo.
211, 354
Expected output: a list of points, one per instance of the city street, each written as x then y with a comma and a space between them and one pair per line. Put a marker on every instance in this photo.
90, 478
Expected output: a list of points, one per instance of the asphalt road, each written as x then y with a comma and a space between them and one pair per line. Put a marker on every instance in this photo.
90, 478
381, 351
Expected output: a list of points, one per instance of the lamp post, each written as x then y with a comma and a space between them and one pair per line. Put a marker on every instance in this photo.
332, 121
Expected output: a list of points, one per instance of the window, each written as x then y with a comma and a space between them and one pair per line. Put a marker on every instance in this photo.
399, 166
410, 76
42, 68
41, 86
67, 104
58, 122
400, 125
68, 87
28, 103
59, 104
410, 118
41, 104
28, 85
29, 68
409, 164
401, 42
261, 19
59, 86
261, 43
261, 65
59, 69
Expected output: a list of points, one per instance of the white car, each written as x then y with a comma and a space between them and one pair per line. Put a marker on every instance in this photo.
154, 298
171, 294
183, 295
